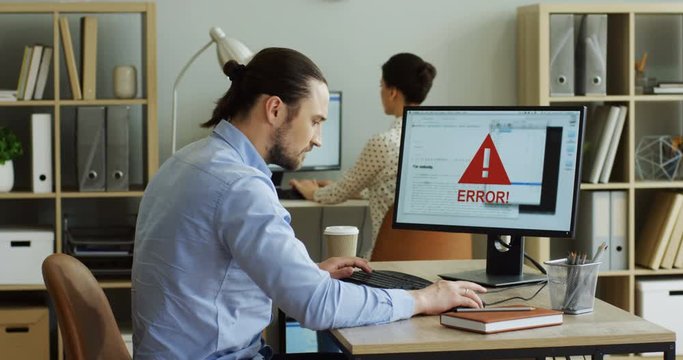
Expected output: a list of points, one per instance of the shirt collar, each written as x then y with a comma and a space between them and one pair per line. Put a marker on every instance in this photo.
235, 138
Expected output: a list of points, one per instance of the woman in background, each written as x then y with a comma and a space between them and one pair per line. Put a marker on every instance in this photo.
406, 80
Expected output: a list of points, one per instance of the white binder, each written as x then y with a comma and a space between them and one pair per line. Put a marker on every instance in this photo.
591, 55
618, 245
41, 153
561, 55
593, 226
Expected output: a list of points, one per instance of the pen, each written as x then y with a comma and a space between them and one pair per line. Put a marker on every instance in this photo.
599, 252
511, 308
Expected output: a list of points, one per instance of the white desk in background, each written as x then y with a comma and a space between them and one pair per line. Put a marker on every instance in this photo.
310, 218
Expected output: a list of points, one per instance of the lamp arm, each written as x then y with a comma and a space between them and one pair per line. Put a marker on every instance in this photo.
174, 126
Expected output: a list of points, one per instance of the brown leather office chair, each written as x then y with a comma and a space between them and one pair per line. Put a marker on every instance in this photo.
398, 244
83, 312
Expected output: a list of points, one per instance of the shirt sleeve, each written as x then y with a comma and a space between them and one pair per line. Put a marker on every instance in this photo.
255, 228
370, 162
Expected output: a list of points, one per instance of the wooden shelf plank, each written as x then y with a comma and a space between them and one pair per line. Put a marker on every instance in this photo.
103, 102
104, 194
115, 284
658, 97
641, 271
24, 287
19, 103
26, 195
658, 184
584, 99
608, 186
614, 273
80, 7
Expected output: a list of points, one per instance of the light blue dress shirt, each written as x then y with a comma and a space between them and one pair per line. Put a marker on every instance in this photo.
214, 248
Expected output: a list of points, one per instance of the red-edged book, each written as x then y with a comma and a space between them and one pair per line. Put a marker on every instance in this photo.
500, 321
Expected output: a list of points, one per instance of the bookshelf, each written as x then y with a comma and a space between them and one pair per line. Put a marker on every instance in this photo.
627, 37
130, 29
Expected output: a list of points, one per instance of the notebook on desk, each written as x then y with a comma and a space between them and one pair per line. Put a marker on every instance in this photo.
500, 321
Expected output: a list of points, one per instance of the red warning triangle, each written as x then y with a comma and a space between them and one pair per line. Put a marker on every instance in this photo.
486, 166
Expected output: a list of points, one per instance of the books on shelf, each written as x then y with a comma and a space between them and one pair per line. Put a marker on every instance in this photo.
500, 321
43, 72
601, 127
668, 87
658, 229
8, 95
667, 90
34, 72
23, 72
613, 145
69, 58
89, 56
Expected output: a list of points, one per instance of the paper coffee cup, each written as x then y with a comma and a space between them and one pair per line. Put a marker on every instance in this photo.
341, 240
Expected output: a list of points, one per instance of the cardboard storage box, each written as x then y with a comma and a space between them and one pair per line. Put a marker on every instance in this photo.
22, 251
24, 333
661, 301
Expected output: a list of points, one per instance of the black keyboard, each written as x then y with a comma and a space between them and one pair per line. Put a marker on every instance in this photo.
386, 279
289, 194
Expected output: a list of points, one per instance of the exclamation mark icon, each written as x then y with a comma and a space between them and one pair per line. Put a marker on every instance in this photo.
485, 168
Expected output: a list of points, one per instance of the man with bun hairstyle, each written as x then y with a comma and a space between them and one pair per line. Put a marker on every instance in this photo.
214, 248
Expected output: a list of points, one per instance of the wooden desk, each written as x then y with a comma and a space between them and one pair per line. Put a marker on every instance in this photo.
607, 329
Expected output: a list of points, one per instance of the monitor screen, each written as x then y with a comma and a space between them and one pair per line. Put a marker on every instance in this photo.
328, 156
493, 170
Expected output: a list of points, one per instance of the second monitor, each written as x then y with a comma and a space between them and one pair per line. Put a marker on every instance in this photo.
494, 170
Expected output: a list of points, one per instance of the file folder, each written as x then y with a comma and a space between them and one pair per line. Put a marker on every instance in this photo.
561, 55
593, 226
90, 148
117, 148
41, 153
591, 55
618, 246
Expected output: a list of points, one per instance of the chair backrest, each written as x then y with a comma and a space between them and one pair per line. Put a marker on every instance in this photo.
84, 314
398, 244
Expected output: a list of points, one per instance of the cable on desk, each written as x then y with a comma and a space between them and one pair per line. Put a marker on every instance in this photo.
515, 297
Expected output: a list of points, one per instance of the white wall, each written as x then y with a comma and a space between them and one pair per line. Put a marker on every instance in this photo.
471, 43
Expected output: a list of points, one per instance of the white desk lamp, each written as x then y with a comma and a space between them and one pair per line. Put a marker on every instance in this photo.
226, 49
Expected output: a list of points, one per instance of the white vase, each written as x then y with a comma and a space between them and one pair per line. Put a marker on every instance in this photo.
6, 176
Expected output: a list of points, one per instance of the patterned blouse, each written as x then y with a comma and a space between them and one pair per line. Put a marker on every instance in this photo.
375, 171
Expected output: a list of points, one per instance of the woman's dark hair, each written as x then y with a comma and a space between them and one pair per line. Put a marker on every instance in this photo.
273, 71
409, 74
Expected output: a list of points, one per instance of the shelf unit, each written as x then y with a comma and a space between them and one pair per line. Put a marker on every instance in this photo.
41, 18
626, 26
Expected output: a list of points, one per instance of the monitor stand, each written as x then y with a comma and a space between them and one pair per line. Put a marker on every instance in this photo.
276, 178
503, 266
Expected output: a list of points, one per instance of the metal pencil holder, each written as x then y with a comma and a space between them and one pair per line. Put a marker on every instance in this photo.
572, 287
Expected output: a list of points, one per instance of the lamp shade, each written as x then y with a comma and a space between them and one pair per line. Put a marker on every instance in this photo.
229, 48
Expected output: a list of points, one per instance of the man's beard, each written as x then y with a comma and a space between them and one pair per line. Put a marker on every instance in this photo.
278, 153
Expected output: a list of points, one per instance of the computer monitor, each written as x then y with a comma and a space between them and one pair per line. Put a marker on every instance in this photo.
328, 156
494, 170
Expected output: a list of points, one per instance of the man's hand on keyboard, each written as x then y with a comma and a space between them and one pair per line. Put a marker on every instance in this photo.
444, 295
342, 267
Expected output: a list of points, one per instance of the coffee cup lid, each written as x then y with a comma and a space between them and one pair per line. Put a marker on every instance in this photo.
341, 230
